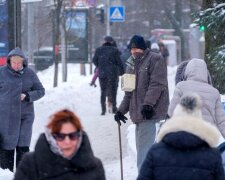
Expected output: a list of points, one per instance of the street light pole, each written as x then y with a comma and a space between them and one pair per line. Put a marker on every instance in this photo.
30, 37
14, 22
108, 18
17, 13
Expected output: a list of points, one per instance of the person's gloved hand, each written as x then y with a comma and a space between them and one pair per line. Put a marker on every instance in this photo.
120, 117
147, 111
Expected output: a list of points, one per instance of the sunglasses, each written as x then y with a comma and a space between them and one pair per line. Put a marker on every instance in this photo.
72, 136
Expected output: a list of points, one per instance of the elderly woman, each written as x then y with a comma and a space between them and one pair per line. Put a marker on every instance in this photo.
63, 152
19, 88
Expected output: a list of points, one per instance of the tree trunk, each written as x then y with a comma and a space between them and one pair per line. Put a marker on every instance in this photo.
63, 52
58, 7
178, 28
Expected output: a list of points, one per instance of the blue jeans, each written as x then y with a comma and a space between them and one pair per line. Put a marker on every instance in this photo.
145, 136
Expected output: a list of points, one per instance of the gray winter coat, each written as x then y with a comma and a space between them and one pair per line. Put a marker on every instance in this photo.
196, 75
16, 116
151, 88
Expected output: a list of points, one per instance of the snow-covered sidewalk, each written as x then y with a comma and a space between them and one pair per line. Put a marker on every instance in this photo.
77, 95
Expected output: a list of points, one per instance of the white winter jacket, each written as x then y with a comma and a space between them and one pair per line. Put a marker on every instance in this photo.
197, 81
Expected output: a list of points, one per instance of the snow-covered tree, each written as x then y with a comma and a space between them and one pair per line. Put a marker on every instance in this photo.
213, 19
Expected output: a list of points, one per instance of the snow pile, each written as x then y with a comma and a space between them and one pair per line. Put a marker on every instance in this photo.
6, 174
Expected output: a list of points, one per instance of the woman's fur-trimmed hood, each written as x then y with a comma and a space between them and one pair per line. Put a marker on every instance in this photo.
200, 128
187, 117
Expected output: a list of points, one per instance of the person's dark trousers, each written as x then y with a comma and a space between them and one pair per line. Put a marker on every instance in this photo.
108, 88
20, 151
7, 159
103, 86
112, 92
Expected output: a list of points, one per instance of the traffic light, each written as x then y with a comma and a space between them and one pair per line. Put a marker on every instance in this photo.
100, 15
202, 28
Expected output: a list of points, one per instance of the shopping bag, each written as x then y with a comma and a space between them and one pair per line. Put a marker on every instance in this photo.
128, 82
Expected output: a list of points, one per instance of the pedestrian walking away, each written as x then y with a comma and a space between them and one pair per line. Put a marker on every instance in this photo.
19, 88
63, 152
148, 102
197, 79
186, 147
164, 51
107, 60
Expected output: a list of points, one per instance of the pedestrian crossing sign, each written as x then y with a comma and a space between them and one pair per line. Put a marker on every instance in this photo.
116, 14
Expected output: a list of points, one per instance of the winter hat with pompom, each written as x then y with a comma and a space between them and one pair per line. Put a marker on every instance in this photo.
190, 105
187, 117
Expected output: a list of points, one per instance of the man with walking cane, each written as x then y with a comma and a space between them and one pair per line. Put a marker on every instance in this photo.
148, 102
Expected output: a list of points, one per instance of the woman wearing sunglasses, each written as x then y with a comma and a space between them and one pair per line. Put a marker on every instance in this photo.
62, 152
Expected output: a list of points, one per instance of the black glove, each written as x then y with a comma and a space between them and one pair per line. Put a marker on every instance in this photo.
27, 97
147, 111
120, 117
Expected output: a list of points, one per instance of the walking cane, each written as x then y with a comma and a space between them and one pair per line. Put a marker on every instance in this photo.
121, 160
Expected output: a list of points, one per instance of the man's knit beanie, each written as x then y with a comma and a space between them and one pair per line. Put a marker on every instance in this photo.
137, 42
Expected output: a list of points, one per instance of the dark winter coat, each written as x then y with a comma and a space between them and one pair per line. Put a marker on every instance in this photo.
165, 53
185, 150
44, 164
180, 72
107, 59
151, 88
16, 116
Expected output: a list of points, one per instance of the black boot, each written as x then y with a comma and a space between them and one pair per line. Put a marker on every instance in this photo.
7, 159
20, 151
103, 113
103, 109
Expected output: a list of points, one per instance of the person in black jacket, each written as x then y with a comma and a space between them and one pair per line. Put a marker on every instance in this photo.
107, 60
185, 147
62, 152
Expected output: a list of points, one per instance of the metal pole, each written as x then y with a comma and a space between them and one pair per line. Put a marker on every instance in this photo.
15, 23
107, 19
121, 157
17, 15
30, 30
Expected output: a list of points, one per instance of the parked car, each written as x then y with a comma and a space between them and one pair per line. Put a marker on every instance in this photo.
43, 58
3, 54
